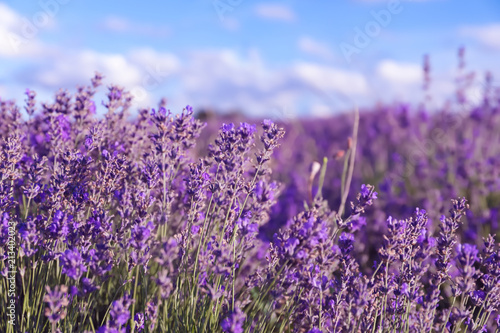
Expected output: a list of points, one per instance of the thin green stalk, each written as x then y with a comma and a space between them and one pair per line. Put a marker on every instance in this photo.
27, 207
203, 231
92, 324
351, 162
448, 316
234, 274
344, 171
482, 321
321, 308
109, 306
385, 296
89, 302
321, 178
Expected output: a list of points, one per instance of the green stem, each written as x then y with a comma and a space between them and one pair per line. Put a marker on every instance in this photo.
321, 179
351, 162
132, 323
448, 316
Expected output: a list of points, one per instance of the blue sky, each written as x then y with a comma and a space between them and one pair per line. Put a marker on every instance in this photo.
278, 59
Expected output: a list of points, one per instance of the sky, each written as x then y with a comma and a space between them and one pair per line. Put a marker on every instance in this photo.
276, 59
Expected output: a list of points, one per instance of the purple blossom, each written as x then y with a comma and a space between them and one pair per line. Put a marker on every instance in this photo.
72, 264
233, 323
119, 311
56, 300
346, 243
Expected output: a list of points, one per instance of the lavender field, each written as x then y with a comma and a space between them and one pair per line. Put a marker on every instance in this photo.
382, 220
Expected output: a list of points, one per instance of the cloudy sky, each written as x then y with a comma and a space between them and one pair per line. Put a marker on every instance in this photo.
278, 59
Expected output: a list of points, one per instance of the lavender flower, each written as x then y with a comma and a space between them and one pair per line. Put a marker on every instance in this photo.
119, 311
56, 301
233, 323
72, 264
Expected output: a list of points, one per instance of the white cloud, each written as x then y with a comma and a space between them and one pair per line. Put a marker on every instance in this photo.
220, 73
488, 35
8, 17
143, 72
275, 12
400, 73
152, 60
122, 25
400, 81
316, 48
207, 67
71, 69
224, 79
17, 34
330, 79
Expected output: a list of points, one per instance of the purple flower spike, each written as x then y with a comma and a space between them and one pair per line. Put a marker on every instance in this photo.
57, 301
72, 264
120, 310
234, 322
346, 243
